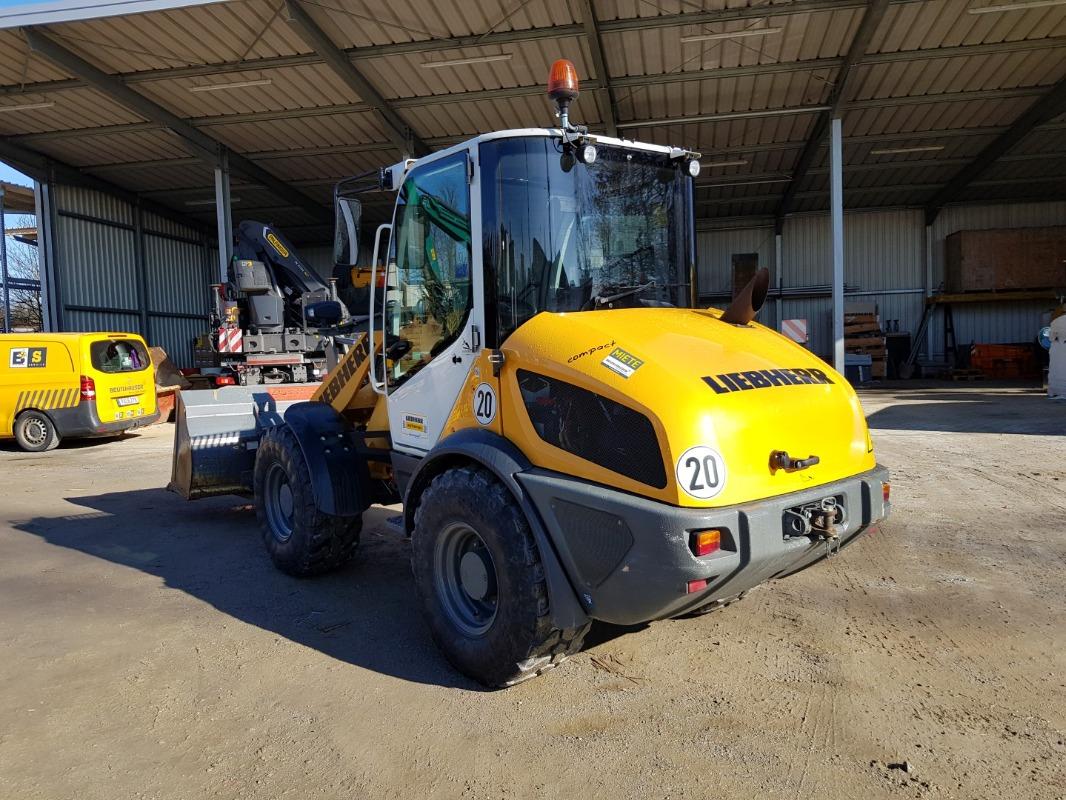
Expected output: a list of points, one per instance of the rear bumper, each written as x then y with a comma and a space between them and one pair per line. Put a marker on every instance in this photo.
629, 559
83, 421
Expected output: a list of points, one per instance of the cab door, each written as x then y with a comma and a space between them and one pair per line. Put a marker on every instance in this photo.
433, 310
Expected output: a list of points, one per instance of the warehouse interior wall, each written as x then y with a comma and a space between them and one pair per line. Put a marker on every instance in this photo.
111, 266
114, 266
884, 265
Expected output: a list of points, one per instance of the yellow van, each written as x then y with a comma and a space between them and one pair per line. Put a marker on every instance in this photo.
54, 385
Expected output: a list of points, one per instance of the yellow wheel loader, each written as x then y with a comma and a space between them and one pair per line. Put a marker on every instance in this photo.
571, 438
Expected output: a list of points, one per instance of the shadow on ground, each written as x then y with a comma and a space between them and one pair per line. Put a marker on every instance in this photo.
1029, 413
365, 614
9, 445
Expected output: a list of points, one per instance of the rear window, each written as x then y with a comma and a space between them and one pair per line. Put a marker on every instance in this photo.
118, 355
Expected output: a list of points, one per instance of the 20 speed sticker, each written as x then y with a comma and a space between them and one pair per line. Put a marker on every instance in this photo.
484, 404
701, 472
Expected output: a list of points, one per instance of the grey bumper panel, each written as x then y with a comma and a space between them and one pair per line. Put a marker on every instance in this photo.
629, 556
83, 421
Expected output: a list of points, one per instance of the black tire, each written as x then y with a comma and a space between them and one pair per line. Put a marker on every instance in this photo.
35, 432
500, 633
301, 540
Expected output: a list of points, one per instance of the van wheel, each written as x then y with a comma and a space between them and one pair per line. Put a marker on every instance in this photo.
481, 583
301, 540
35, 432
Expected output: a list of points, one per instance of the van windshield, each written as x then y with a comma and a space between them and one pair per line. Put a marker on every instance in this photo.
118, 355
561, 235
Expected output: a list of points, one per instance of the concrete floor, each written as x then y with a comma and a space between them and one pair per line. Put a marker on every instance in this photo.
150, 649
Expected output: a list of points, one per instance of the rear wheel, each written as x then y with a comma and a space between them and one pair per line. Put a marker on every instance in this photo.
481, 582
35, 432
301, 540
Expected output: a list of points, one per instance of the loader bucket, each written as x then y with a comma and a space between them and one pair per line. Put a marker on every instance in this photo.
217, 432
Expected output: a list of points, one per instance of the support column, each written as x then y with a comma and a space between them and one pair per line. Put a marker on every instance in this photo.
929, 289
836, 191
142, 271
51, 292
223, 215
3, 265
780, 276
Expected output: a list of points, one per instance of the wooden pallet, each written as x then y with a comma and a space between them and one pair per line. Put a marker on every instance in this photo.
966, 375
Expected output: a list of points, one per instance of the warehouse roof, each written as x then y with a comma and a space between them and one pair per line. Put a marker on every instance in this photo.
943, 101
17, 199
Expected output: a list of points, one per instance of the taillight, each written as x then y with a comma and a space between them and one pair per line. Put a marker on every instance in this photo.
886, 490
88, 388
703, 543
225, 380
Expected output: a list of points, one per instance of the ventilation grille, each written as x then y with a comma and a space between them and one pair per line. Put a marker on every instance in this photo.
597, 540
593, 427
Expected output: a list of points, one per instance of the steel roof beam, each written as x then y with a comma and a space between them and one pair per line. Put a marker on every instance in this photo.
526, 91
871, 19
895, 189
514, 37
477, 96
447, 141
599, 64
197, 141
1042, 110
312, 183
43, 168
397, 131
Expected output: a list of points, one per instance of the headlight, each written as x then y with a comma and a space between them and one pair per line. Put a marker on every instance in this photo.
693, 168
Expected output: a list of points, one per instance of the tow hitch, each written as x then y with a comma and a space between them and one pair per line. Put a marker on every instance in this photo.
822, 520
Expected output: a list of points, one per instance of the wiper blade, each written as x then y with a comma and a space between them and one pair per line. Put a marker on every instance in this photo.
603, 300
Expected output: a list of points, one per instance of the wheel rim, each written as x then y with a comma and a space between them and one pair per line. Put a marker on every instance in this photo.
278, 502
35, 431
465, 578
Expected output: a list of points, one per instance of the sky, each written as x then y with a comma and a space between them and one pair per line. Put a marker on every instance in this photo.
9, 175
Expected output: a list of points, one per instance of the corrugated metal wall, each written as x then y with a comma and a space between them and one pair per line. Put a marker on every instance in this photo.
320, 259
884, 265
988, 322
125, 270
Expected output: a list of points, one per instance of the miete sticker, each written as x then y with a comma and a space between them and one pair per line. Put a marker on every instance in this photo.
625, 364
484, 404
701, 472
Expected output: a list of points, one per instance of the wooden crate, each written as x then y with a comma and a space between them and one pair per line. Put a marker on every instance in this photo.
1005, 259
863, 336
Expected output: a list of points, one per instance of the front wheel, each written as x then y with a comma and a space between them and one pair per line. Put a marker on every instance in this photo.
35, 432
481, 583
301, 540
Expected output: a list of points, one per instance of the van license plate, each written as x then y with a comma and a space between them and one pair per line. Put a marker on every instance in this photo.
128, 401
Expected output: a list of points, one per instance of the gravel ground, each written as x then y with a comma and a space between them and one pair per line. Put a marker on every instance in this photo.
151, 651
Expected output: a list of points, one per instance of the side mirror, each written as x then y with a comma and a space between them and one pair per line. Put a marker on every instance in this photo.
348, 213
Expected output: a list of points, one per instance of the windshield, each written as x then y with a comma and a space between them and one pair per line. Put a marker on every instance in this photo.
561, 235
118, 355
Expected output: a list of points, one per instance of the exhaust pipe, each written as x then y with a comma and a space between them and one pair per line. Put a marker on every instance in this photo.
747, 304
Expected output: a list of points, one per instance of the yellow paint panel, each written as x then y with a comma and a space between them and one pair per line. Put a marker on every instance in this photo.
655, 361
474, 398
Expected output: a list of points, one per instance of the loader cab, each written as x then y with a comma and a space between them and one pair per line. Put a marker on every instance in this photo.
488, 234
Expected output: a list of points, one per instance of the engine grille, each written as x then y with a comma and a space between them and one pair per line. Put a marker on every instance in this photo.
593, 427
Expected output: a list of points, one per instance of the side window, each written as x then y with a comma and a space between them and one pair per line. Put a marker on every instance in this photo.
429, 291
